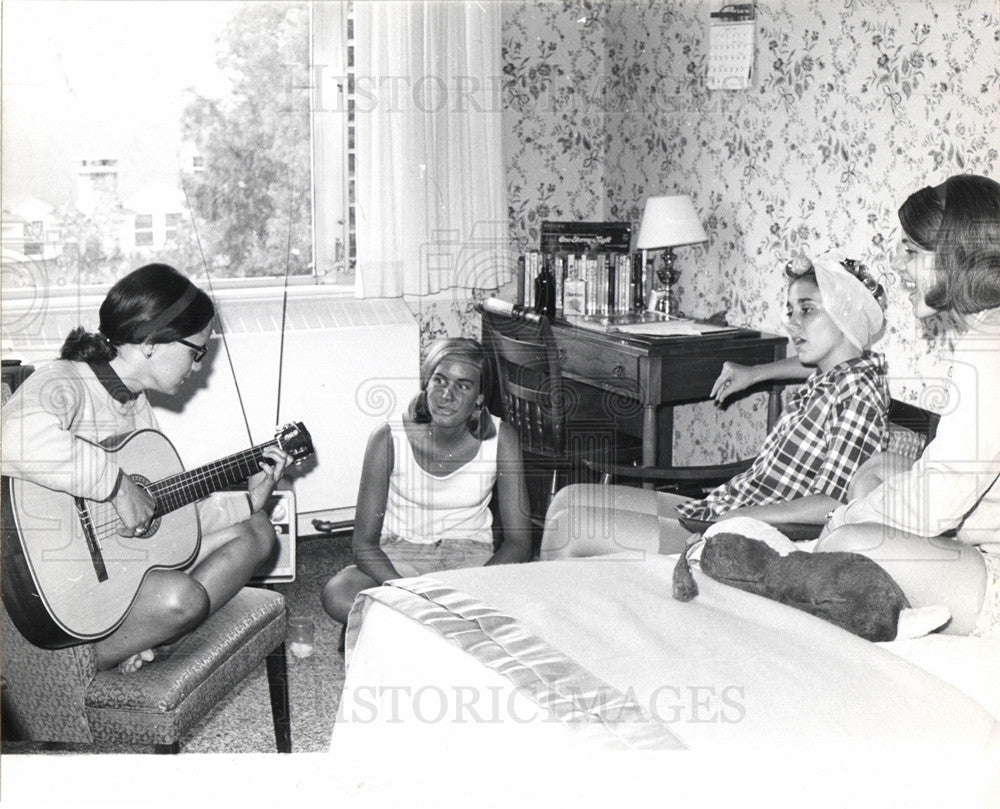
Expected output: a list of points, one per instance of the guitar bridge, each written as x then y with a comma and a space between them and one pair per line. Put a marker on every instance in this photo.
93, 545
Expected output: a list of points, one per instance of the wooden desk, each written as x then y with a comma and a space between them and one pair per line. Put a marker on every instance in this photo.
660, 372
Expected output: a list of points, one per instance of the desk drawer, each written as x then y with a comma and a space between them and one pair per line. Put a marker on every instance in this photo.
602, 365
690, 378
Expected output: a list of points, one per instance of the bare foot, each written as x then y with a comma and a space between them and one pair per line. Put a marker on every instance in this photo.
130, 665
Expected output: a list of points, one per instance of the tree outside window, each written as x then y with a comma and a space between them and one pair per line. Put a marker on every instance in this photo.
230, 150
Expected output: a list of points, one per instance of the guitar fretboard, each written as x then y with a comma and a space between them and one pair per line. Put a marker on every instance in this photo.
180, 490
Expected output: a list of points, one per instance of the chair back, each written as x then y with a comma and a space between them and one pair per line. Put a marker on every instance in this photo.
529, 375
911, 428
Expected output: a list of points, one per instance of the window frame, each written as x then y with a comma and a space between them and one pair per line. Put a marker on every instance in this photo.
329, 169
330, 122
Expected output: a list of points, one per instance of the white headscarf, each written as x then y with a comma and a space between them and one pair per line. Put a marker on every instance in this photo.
848, 302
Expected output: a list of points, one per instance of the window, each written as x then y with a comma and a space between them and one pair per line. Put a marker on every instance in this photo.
330, 88
144, 230
208, 148
172, 223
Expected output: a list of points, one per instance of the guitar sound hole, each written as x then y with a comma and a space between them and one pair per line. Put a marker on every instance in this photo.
144, 484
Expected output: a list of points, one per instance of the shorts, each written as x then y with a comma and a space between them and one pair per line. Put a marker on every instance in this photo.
418, 558
988, 623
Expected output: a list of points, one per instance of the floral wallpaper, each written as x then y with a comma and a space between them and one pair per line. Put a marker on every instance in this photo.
853, 106
555, 63
449, 313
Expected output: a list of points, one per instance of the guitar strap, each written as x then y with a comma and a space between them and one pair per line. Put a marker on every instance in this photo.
112, 383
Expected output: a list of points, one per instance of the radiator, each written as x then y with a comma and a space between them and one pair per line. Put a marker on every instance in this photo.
347, 365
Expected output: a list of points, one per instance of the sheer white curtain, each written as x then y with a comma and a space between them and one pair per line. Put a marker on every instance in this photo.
431, 201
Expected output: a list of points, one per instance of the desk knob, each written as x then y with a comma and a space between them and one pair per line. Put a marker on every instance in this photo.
618, 370
562, 353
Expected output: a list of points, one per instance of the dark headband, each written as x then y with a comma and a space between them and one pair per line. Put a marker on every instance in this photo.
170, 314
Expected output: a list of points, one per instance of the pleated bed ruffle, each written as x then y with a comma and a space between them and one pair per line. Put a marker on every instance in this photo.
563, 689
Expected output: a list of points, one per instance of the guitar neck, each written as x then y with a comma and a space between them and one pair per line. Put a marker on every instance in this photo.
187, 487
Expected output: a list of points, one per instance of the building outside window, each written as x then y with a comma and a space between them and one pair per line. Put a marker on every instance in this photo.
144, 230
172, 223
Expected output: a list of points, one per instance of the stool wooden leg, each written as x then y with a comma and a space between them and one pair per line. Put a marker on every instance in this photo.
277, 683
167, 749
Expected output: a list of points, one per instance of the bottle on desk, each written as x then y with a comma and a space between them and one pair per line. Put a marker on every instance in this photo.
545, 289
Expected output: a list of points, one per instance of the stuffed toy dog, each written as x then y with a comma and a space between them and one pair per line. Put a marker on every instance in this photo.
847, 589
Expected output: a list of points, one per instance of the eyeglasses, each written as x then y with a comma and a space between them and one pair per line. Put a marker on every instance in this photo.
199, 351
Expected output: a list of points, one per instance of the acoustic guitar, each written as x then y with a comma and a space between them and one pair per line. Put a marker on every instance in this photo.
68, 576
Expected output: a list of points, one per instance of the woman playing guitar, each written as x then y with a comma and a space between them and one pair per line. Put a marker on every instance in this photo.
154, 328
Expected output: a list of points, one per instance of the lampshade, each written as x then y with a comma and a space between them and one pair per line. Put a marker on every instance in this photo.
668, 222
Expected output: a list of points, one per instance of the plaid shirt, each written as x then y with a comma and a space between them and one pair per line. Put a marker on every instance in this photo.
832, 423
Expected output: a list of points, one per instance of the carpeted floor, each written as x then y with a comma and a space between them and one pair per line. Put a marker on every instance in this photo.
241, 723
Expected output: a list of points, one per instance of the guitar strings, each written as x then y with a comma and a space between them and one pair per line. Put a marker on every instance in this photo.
166, 490
180, 483
192, 485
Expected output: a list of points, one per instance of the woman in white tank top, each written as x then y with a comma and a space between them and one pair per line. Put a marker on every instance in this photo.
427, 480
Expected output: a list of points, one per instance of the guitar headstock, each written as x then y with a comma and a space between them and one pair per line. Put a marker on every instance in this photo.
294, 439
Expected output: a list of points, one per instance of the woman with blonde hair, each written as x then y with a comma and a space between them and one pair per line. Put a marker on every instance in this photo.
427, 481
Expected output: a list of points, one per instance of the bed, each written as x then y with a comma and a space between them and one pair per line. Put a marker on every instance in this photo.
595, 653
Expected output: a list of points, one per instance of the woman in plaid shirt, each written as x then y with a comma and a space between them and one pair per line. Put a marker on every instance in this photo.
832, 424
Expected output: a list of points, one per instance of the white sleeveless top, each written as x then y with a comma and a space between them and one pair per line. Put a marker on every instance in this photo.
425, 508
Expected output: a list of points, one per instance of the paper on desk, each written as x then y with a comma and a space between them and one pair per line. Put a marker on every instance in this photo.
669, 328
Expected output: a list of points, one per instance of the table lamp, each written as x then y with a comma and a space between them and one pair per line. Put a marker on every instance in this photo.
667, 222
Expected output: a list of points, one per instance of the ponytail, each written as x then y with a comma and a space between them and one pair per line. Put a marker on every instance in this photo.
86, 346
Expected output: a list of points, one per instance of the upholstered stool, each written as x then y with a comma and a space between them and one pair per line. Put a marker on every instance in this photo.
59, 696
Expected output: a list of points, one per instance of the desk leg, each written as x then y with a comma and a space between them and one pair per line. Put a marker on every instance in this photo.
665, 436
650, 438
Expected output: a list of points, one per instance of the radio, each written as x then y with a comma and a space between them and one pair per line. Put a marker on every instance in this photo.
280, 568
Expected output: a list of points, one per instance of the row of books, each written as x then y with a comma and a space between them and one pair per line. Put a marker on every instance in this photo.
566, 284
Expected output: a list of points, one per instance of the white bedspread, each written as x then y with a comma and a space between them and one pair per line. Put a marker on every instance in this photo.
597, 650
